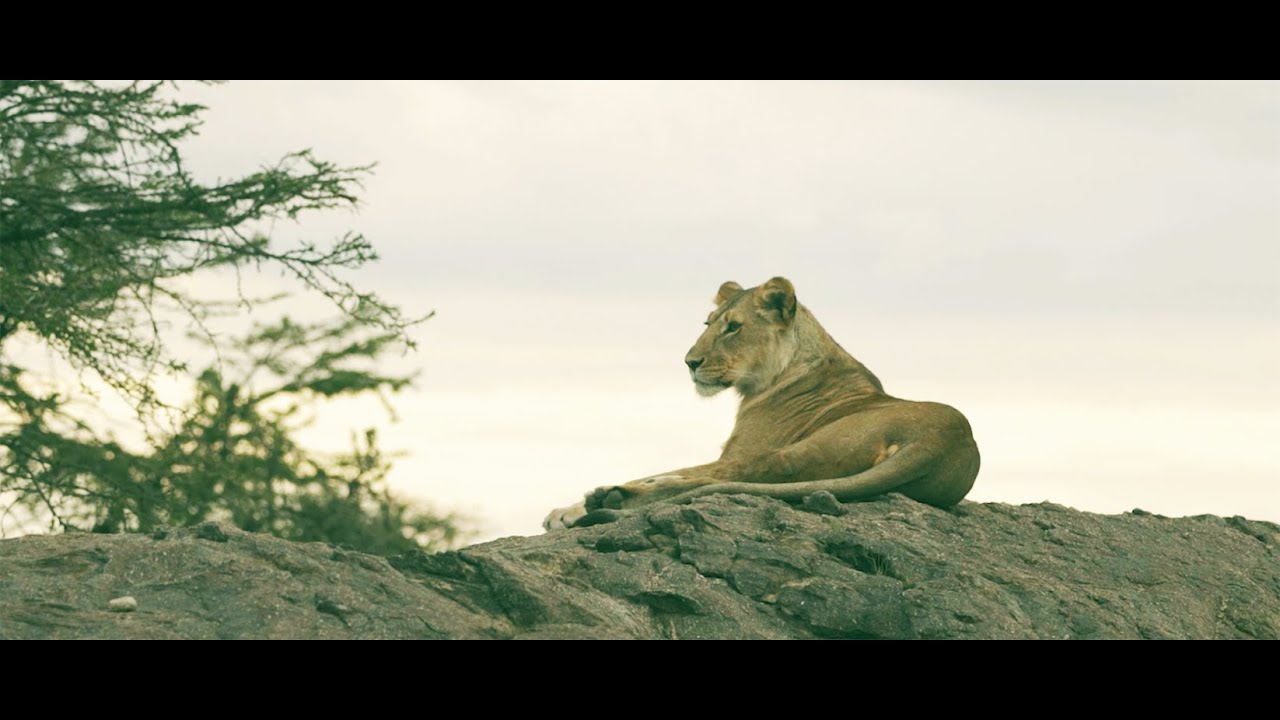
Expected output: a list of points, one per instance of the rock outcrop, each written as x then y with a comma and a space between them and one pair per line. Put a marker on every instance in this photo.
721, 567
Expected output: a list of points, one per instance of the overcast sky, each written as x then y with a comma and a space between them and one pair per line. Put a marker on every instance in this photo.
1089, 271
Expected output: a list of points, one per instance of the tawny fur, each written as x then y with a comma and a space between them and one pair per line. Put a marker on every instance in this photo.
812, 418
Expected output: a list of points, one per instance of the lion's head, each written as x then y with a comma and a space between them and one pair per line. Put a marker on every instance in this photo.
749, 339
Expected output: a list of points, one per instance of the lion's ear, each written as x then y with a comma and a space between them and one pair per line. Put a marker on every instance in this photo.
778, 297
726, 292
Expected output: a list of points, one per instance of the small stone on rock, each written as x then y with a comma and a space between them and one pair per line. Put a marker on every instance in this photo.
123, 604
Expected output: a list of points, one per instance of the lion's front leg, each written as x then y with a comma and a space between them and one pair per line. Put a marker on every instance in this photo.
605, 504
644, 491
577, 515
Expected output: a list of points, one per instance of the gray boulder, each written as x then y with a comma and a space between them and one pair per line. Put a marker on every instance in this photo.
721, 567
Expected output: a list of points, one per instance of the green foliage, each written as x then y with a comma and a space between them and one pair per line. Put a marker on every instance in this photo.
99, 216
232, 455
100, 222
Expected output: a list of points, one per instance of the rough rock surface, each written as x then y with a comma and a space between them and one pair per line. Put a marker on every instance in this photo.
721, 567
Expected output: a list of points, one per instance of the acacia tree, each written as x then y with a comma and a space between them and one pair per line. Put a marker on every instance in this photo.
100, 223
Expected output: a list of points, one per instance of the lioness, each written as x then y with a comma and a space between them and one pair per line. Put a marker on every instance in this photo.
812, 418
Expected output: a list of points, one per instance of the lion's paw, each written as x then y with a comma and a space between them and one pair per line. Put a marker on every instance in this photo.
565, 517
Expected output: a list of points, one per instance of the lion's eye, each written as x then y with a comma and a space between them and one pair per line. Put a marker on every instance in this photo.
732, 327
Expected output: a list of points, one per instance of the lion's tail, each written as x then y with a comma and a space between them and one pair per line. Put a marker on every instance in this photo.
910, 463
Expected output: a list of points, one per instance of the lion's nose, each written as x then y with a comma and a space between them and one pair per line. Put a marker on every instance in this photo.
693, 364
